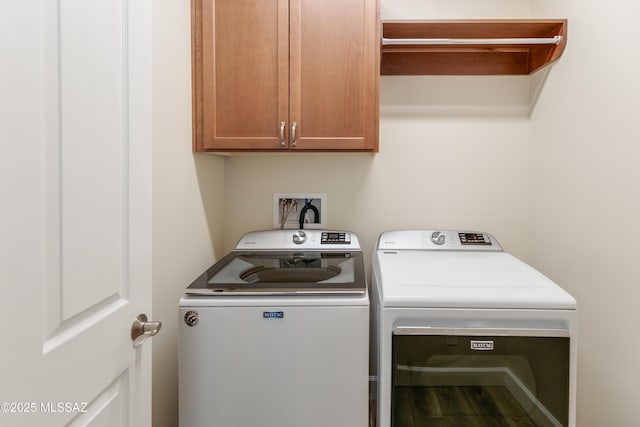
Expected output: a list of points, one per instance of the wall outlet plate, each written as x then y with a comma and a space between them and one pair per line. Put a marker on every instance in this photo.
293, 203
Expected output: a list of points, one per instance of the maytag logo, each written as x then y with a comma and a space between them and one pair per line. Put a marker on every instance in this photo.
273, 314
482, 345
191, 318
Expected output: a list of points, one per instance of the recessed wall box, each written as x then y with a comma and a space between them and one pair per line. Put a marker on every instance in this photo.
291, 208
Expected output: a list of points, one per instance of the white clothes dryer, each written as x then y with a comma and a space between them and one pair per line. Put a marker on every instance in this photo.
464, 334
275, 334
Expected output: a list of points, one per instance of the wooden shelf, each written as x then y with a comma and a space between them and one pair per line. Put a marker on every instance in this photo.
471, 47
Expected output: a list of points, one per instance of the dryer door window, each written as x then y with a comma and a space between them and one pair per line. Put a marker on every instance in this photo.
480, 380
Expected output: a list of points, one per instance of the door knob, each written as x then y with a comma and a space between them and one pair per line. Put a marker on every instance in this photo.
141, 329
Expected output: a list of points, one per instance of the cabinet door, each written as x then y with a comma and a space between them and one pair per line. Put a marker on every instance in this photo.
334, 74
241, 85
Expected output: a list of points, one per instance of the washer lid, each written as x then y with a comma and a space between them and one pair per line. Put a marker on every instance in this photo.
283, 273
463, 279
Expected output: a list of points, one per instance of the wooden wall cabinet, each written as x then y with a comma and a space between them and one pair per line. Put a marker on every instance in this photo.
285, 75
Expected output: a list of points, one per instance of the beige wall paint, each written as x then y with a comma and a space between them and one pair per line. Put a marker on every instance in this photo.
585, 210
187, 195
454, 9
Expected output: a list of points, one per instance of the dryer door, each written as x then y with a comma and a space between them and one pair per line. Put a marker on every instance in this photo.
491, 377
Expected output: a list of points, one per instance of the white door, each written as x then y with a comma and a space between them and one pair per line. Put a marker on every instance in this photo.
75, 223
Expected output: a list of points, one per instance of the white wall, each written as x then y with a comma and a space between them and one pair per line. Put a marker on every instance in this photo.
187, 191
585, 210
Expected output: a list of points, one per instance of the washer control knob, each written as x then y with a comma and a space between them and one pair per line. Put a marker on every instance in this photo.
299, 237
437, 237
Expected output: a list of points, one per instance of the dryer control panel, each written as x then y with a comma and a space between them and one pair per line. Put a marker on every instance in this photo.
450, 240
474, 239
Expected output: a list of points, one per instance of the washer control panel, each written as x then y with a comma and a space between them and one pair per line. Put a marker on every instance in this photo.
335, 237
275, 240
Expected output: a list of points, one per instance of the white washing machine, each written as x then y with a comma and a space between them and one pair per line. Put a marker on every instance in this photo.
465, 334
275, 334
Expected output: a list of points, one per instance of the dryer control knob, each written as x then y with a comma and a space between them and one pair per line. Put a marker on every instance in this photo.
437, 238
299, 237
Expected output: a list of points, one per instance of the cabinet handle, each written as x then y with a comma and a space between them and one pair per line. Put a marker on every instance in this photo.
293, 133
282, 125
